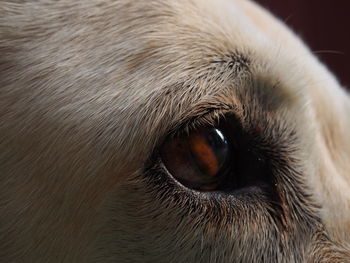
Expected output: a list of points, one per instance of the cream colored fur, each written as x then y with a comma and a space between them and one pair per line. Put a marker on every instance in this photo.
89, 88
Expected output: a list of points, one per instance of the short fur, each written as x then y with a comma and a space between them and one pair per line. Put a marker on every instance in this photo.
90, 89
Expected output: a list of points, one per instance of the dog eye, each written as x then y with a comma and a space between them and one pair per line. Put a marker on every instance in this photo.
197, 160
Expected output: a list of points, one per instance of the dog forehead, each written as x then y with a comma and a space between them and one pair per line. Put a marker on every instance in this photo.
196, 52
126, 70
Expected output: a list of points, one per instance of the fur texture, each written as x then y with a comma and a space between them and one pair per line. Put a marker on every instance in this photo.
90, 89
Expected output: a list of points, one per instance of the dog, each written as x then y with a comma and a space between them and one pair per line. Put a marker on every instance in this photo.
167, 131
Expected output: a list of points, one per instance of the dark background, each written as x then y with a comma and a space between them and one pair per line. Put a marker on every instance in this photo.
323, 25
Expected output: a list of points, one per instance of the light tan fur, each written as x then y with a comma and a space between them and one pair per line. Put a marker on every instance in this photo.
88, 89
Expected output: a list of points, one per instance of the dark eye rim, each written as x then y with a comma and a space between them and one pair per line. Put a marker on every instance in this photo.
161, 183
209, 119
215, 120
204, 181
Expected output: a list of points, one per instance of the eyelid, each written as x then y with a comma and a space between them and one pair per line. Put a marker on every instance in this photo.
208, 118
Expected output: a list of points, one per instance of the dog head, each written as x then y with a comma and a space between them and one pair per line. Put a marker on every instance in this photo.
155, 131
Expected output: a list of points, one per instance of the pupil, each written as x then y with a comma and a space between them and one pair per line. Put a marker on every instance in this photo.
219, 146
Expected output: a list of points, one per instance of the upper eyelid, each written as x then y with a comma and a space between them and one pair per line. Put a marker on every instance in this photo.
206, 118
205, 112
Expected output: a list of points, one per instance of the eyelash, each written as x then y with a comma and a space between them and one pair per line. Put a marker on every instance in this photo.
208, 119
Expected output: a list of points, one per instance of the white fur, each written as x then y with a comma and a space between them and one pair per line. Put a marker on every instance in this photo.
87, 88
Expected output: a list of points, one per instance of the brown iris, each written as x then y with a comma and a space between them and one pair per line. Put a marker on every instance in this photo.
197, 160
